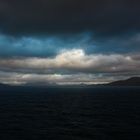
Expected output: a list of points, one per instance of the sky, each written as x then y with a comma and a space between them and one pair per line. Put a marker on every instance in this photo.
69, 41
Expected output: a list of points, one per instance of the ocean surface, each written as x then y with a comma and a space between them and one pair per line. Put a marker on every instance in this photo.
107, 113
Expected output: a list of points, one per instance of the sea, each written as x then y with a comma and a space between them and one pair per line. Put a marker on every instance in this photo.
62, 113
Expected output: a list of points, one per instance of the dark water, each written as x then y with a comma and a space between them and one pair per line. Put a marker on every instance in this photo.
70, 114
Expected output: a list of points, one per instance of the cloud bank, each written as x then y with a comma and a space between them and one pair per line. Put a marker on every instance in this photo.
74, 60
64, 67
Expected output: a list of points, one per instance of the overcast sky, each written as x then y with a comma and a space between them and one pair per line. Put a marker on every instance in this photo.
69, 41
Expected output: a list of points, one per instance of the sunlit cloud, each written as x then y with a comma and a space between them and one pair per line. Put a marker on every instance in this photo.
75, 60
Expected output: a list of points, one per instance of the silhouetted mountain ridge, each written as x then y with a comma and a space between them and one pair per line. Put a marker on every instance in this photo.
4, 85
133, 81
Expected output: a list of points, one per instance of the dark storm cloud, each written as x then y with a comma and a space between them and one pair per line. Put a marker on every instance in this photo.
106, 17
50, 46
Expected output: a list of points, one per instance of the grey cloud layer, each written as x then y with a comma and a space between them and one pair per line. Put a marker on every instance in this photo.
75, 60
46, 79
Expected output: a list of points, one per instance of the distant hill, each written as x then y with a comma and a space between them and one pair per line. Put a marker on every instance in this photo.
4, 85
134, 81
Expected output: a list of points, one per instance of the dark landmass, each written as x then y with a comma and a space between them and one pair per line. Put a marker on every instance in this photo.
134, 81
4, 85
